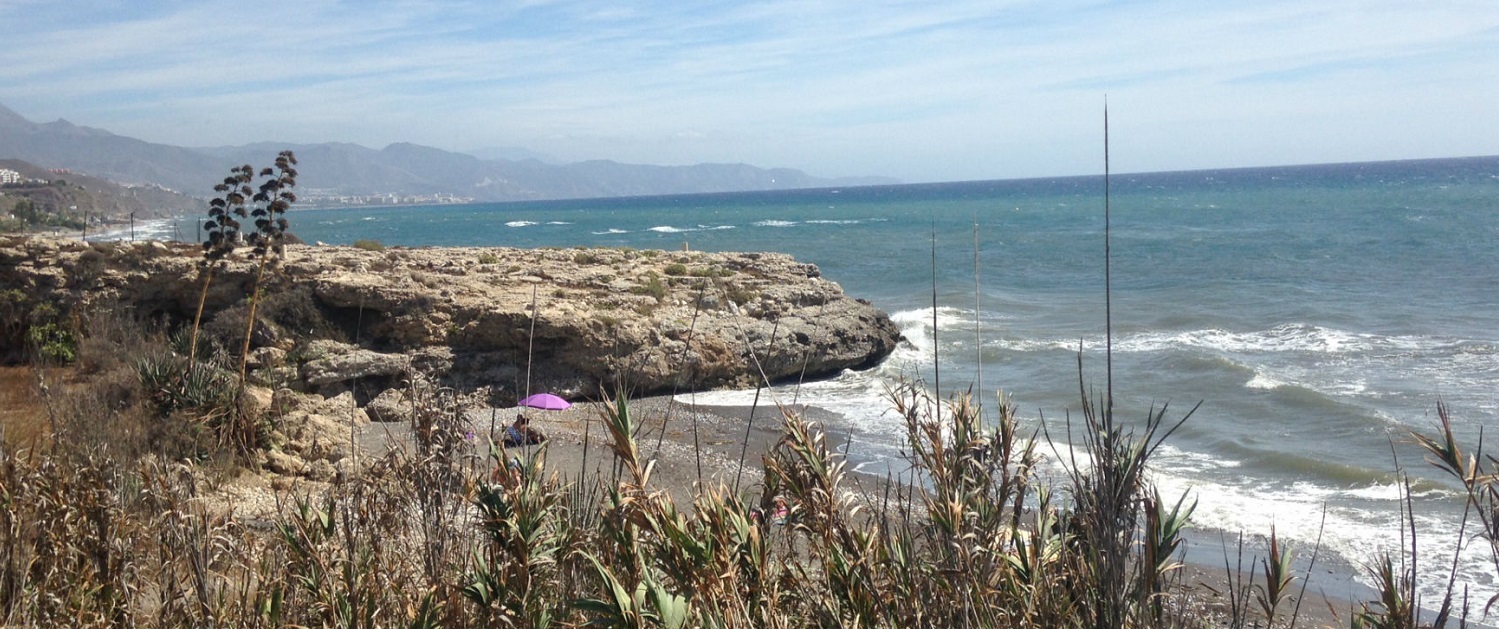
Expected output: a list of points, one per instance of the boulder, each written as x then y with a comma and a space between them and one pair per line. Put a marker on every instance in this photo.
392, 405
312, 430
341, 362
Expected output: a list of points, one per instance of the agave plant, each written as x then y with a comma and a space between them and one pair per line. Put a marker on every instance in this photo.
238, 201
268, 212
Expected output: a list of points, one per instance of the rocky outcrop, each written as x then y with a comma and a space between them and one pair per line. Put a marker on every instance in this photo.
310, 436
566, 320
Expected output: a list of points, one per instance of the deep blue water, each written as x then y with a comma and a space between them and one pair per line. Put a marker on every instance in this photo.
1318, 312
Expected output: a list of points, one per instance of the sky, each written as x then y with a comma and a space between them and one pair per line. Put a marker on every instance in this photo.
919, 91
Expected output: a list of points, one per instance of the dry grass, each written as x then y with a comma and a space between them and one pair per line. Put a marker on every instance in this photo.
98, 530
23, 417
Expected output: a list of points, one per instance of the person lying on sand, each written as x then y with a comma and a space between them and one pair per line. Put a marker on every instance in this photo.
521, 433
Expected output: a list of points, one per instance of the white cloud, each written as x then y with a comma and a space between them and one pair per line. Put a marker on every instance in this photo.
921, 91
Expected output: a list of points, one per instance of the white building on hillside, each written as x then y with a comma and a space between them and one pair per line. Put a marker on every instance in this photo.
9, 176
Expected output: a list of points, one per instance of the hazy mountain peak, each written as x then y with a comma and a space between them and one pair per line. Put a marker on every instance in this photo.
403, 169
11, 119
512, 153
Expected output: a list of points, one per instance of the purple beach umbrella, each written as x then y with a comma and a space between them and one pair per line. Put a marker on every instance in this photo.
546, 402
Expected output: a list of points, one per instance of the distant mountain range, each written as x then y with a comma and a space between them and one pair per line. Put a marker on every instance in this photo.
328, 170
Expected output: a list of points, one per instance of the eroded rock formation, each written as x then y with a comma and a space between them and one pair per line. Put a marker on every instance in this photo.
564, 320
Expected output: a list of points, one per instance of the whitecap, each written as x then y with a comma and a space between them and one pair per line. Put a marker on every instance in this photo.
916, 325
859, 397
151, 229
668, 229
1296, 513
1263, 382
775, 223
1290, 337
520, 223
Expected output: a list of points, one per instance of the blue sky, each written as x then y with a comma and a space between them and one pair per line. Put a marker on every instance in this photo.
920, 91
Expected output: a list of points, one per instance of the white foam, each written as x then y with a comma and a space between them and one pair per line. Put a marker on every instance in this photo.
1284, 338
834, 222
1263, 382
520, 223
1290, 337
611, 231
1361, 519
1355, 533
1197, 462
916, 327
668, 229
153, 229
558, 223
775, 223
859, 397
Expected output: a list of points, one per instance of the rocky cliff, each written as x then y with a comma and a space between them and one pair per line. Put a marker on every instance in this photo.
511, 320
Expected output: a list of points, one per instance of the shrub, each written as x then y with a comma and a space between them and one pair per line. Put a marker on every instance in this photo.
488, 258
652, 287
49, 335
711, 271
53, 343
741, 295
676, 268
368, 245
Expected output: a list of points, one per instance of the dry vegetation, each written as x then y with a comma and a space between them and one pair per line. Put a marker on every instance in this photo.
108, 523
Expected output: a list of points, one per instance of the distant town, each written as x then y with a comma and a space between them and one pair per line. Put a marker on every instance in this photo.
331, 198
8, 176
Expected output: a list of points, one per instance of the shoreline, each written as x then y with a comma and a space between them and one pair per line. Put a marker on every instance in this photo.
722, 432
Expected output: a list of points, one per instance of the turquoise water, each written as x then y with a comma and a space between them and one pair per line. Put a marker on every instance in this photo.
1318, 313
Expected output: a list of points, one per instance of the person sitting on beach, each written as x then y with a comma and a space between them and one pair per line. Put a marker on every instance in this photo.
521, 433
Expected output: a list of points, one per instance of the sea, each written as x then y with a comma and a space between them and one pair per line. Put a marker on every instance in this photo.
1319, 315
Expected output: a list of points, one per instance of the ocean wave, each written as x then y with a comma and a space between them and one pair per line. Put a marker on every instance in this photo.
916, 325
775, 223
152, 229
850, 221
1361, 515
668, 229
1263, 382
859, 397
1290, 337
558, 223
611, 230
1355, 522
519, 223
1286, 338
